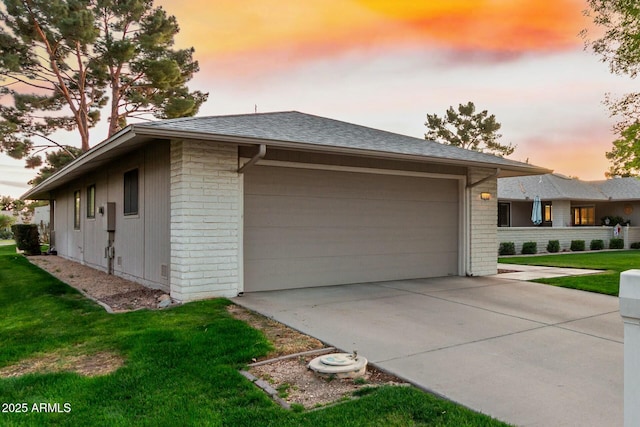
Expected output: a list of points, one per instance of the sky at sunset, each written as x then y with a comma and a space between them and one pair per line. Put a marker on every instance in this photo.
386, 64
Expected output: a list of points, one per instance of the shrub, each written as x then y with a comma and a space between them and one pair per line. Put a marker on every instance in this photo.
507, 248
577, 245
635, 245
27, 239
529, 248
553, 246
6, 235
616, 244
597, 245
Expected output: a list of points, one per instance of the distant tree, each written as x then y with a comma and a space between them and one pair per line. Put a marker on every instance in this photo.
62, 61
6, 221
467, 129
625, 155
619, 46
8, 203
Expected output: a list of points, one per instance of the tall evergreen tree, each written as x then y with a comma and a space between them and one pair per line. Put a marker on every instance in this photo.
62, 61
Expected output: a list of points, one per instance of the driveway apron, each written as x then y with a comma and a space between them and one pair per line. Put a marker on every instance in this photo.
526, 353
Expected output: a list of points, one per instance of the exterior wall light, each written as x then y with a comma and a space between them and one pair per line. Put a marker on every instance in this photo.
485, 196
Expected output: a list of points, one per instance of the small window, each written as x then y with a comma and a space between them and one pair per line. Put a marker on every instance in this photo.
547, 217
91, 201
583, 215
504, 215
76, 210
131, 192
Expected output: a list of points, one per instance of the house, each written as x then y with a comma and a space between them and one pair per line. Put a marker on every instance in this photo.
571, 209
217, 206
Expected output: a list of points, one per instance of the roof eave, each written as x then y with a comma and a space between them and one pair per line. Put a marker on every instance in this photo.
42, 191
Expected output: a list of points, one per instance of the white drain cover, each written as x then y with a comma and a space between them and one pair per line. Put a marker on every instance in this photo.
337, 359
340, 365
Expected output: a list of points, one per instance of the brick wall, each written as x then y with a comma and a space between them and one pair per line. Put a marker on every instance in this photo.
483, 216
206, 215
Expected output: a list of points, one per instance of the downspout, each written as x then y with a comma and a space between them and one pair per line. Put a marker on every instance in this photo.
468, 272
261, 153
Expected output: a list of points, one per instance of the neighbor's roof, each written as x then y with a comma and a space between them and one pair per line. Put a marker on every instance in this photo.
620, 188
292, 130
559, 187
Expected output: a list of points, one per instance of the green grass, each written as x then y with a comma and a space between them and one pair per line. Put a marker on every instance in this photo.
613, 263
180, 366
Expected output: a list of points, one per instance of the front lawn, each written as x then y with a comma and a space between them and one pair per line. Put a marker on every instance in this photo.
172, 367
612, 262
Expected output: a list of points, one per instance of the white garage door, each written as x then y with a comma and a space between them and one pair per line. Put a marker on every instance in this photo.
306, 228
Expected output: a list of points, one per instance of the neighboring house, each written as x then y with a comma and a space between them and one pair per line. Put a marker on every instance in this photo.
41, 218
217, 206
573, 209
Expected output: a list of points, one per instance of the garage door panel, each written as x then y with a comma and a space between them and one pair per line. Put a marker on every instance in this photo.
314, 211
286, 181
272, 274
303, 242
315, 228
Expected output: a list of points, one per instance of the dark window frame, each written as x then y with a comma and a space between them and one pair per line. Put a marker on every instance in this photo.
507, 222
581, 213
91, 201
131, 192
77, 201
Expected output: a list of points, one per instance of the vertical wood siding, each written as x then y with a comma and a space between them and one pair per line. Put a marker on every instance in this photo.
141, 241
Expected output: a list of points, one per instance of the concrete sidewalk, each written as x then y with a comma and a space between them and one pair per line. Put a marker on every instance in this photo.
531, 272
525, 353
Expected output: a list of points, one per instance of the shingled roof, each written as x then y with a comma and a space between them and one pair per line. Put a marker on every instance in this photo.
286, 130
310, 130
559, 187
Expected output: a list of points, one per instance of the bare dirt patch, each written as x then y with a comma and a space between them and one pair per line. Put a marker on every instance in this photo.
295, 383
118, 293
89, 365
284, 339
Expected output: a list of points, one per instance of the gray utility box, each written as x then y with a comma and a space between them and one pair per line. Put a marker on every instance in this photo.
110, 217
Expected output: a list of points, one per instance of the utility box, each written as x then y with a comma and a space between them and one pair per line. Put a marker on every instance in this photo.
110, 217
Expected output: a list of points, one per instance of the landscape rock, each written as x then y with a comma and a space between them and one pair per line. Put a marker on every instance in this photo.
164, 303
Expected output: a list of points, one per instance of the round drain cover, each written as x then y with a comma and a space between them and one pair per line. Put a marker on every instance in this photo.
339, 365
337, 359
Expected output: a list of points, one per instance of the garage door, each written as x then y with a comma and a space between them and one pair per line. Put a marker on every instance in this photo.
305, 228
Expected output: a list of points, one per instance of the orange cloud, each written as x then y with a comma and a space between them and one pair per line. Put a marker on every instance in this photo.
301, 30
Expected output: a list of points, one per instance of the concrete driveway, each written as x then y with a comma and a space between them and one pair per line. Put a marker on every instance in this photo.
525, 353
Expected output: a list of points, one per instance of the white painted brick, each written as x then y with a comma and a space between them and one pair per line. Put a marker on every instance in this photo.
205, 220
483, 218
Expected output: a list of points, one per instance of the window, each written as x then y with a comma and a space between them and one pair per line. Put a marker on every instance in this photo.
547, 213
504, 215
76, 210
91, 201
583, 215
131, 192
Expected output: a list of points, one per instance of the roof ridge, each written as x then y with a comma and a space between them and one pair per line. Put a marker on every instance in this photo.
186, 119
553, 184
